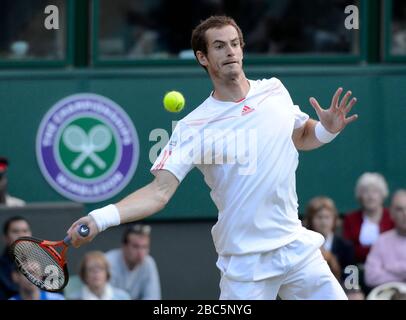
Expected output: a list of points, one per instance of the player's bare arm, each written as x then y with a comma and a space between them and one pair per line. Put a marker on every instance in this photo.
334, 120
149, 199
140, 204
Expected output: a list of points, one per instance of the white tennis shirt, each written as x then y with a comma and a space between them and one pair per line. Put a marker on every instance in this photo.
245, 151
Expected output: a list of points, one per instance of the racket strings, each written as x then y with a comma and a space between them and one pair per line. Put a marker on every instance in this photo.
38, 265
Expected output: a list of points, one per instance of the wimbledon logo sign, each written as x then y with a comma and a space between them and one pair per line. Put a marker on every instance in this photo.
87, 148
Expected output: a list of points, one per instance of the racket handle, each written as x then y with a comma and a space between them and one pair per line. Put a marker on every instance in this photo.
83, 230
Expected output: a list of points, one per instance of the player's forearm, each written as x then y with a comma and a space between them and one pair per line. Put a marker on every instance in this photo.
306, 138
312, 135
142, 203
138, 205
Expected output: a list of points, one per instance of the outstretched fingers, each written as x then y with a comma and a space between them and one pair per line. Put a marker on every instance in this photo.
344, 101
350, 105
315, 105
336, 97
351, 119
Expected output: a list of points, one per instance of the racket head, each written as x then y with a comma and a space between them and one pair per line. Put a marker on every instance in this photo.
100, 137
75, 138
41, 263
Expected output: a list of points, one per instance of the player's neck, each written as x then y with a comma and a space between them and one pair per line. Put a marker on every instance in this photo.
231, 89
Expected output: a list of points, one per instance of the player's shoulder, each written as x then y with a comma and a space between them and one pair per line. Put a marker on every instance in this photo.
200, 114
272, 83
272, 86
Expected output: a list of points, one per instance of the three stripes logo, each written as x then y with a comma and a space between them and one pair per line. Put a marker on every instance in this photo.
246, 110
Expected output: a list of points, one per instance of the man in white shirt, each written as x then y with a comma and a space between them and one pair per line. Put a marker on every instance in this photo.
244, 138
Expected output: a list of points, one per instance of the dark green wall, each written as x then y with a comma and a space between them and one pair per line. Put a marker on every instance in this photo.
374, 143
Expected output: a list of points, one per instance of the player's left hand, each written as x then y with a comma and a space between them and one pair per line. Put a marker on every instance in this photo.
335, 118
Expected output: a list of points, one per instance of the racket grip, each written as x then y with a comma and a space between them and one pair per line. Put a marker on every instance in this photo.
83, 230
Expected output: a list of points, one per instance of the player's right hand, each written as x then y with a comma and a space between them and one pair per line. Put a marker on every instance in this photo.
76, 239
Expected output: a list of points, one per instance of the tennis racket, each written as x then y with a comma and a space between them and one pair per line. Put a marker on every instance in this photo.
40, 262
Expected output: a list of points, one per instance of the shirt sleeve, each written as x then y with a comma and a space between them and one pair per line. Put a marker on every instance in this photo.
181, 153
300, 117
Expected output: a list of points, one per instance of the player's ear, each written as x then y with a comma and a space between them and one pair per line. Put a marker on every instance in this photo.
202, 58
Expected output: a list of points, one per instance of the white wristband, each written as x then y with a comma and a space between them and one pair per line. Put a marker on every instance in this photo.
323, 135
106, 217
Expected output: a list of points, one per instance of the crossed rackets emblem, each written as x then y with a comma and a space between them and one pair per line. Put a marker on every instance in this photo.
76, 140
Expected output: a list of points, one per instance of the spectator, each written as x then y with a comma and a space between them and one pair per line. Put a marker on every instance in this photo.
27, 290
321, 216
13, 228
362, 227
132, 268
95, 274
387, 260
5, 198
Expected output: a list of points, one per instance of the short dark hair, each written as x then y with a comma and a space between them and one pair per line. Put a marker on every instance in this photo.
137, 229
199, 41
11, 220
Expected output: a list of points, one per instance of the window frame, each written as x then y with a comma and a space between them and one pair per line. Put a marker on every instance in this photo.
55, 63
387, 32
249, 59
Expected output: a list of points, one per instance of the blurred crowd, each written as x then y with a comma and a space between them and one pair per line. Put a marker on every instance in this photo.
364, 248
142, 28
133, 29
130, 29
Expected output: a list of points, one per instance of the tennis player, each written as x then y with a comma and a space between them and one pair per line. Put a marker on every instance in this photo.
263, 250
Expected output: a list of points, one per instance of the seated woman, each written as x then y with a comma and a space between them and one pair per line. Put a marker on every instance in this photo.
363, 226
321, 216
95, 274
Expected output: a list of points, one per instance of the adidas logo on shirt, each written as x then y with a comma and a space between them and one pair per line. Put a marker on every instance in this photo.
246, 110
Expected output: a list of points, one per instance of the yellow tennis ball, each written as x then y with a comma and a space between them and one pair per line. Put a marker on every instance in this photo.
174, 101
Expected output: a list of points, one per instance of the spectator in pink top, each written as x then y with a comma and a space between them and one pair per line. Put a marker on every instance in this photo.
386, 261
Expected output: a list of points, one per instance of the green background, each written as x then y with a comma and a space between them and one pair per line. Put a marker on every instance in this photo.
374, 143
